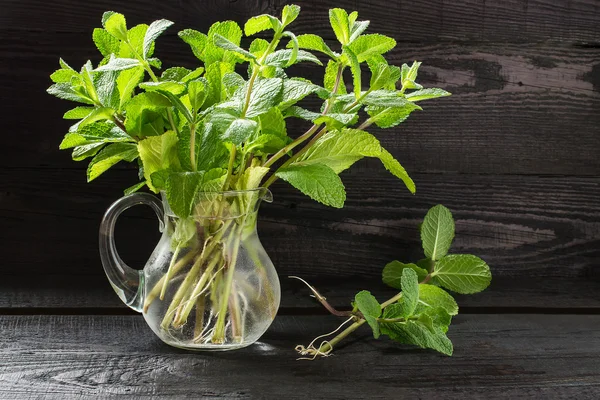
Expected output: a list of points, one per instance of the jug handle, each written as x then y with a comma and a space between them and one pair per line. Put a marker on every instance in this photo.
127, 282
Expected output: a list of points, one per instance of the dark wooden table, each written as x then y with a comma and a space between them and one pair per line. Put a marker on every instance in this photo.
515, 153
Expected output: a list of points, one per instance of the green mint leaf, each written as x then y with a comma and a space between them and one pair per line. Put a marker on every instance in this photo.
80, 153
115, 24
99, 132
295, 49
109, 156
357, 29
339, 150
409, 76
153, 32
174, 88
410, 291
66, 92
419, 334
283, 58
106, 88
251, 178
145, 114
370, 308
315, 43
337, 120
232, 81
197, 92
338, 18
295, 90
99, 114
224, 43
383, 76
272, 123
462, 273
355, 68
64, 76
392, 273
240, 131
265, 94
174, 74
228, 30
119, 64
387, 117
181, 190
426, 94
134, 47
214, 74
196, 40
175, 101
289, 14
78, 113
127, 81
134, 188
158, 153
212, 152
331, 72
106, 43
317, 181
258, 47
437, 232
396, 169
367, 46
257, 24
299, 112
384, 98
266, 144
435, 297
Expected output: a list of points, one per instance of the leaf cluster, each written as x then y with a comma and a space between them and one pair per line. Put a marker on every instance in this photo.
421, 313
210, 128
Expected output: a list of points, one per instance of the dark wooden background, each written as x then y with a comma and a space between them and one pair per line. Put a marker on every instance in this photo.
514, 153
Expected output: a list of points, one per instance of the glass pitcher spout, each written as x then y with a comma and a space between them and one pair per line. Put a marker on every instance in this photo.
209, 284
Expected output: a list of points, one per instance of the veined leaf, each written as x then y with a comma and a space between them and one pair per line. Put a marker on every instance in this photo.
158, 153
78, 113
338, 18
331, 74
426, 94
196, 40
119, 64
315, 43
392, 273
109, 156
337, 120
387, 117
153, 32
370, 308
355, 68
299, 112
257, 24
127, 81
175, 88
144, 114
317, 181
106, 43
418, 333
240, 130
98, 132
181, 190
394, 167
437, 232
367, 46
410, 291
224, 43
289, 14
115, 24
265, 94
295, 90
339, 150
462, 273
283, 58
436, 297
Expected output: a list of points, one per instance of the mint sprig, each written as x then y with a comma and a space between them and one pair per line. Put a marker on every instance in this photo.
421, 313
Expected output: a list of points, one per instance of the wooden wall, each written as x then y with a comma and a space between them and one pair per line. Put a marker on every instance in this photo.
514, 152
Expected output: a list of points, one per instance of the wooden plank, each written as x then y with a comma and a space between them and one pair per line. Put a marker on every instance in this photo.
496, 356
468, 20
416, 20
523, 226
83, 294
497, 121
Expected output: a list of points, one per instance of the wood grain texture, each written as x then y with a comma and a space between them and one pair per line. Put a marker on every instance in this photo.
508, 356
515, 108
523, 226
77, 294
472, 20
434, 20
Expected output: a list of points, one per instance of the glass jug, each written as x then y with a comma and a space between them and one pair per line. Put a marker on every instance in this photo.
209, 284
